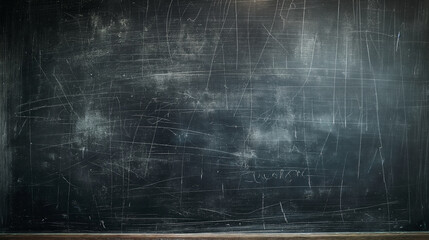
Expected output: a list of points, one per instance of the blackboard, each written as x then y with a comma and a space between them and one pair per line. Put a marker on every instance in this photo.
183, 116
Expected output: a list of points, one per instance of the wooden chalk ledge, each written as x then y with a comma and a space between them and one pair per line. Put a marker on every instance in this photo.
299, 236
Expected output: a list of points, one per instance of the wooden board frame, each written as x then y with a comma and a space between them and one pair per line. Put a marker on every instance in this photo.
212, 236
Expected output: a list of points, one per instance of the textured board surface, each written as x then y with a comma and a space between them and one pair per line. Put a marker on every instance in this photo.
214, 116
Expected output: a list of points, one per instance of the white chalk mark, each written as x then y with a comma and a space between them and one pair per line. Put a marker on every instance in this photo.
150, 148
215, 49
341, 188
166, 31
345, 88
195, 18
236, 35
397, 41
376, 101
302, 28
262, 210
324, 143
406, 135
283, 212
335, 68
309, 71
373, 160
284, 19
259, 58
224, 79
275, 39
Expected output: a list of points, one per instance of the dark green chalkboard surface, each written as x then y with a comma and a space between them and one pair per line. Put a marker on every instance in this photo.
237, 116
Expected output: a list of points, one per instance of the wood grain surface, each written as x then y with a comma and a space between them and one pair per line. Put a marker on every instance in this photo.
301, 236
